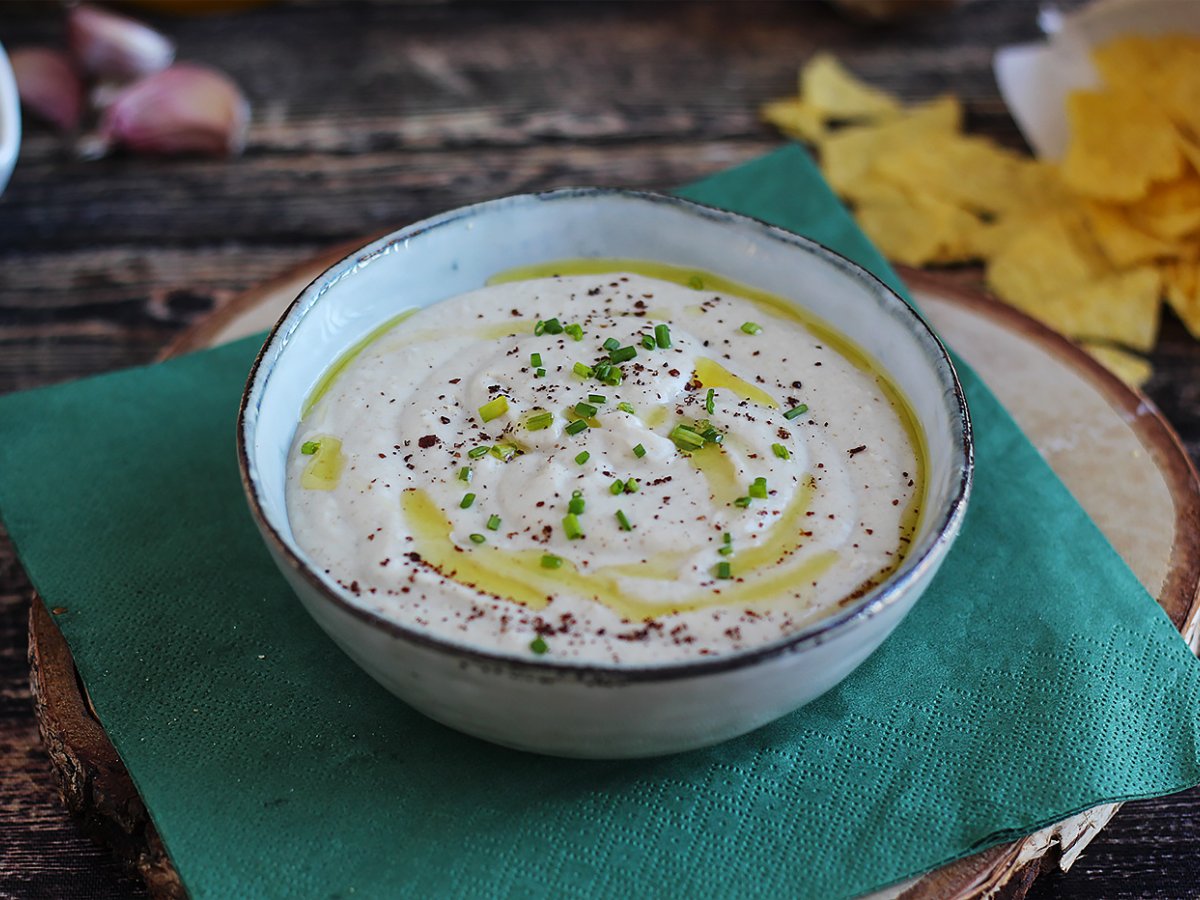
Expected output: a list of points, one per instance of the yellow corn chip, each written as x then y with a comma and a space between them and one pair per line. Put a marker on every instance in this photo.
918, 230
1170, 210
826, 85
795, 118
1120, 145
848, 155
1121, 242
1122, 308
1129, 367
1133, 59
1181, 281
1043, 261
1175, 86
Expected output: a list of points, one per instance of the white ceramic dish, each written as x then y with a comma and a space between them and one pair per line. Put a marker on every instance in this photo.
556, 707
10, 120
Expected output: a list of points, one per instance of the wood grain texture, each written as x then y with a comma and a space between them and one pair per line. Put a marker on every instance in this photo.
370, 116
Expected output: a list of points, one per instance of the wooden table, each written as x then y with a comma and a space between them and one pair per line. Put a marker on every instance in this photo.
370, 116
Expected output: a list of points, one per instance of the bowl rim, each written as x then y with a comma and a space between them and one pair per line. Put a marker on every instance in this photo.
818, 632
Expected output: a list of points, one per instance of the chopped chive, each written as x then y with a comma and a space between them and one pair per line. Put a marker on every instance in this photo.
603, 370
709, 403
751, 328
648, 342
758, 490
552, 326
796, 411
540, 328
550, 561
597, 398
662, 336
504, 452
576, 503
639, 451
577, 426
631, 486
476, 452
477, 538
493, 523
626, 407
623, 354
538, 645
611, 344
727, 548
465, 474
781, 451
613, 378
572, 527
583, 457
308, 448
575, 331
586, 410
621, 517
466, 501
583, 371
724, 570
535, 359
685, 438
617, 487
743, 502
538, 421
712, 436
494, 408
539, 373
696, 283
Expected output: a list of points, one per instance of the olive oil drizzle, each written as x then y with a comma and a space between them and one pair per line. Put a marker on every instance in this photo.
325, 468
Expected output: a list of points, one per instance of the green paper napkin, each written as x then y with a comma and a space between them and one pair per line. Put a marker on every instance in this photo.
1012, 696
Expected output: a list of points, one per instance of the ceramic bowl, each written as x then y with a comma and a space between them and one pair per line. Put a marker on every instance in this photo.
10, 119
588, 710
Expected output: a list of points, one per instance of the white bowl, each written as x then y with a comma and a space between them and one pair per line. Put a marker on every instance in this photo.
590, 710
10, 119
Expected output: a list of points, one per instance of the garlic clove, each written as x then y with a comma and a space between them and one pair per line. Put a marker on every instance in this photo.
111, 46
186, 109
48, 85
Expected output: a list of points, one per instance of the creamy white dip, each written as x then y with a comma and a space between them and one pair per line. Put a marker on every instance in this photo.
802, 497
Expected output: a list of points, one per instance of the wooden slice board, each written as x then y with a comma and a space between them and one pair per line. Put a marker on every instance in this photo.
1079, 416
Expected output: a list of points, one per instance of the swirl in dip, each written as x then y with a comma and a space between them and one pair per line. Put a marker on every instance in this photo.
608, 468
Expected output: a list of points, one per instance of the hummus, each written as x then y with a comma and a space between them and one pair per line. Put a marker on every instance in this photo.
613, 469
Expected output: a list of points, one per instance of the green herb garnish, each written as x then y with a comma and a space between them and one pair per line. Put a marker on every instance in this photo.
758, 489
597, 398
477, 538
662, 336
617, 487
466, 501
611, 344
576, 503
709, 403
585, 410
621, 517
538, 645
631, 486
648, 341
622, 354
540, 420
751, 328
724, 570
743, 502
696, 283
685, 438
308, 448
626, 407
575, 331
550, 561
639, 451
583, 457
572, 527
539, 373
583, 371
504, 452
476, 452
494, 408
465, 474
781, 451
493, 523
552, 326
796, 411
577, 426
535, 359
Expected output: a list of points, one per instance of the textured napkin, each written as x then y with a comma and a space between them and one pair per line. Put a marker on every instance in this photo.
1035, 678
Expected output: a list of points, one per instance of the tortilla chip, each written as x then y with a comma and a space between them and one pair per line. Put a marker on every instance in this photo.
1181, 282
848, 156
1120, 145
1170, 210
1044, 260
826, 85
1175, 83
1121, 242
1122, 308
917, 230
796, 119
1132, 369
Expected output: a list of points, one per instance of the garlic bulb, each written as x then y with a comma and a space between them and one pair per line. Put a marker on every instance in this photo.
185, 109
49, 85
111, 46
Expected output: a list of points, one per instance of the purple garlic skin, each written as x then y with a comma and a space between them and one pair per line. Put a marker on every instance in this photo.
49, 86
113, 47
184, 110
